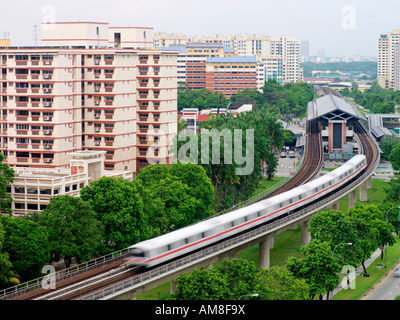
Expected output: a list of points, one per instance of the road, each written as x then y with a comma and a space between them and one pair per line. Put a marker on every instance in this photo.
387, 289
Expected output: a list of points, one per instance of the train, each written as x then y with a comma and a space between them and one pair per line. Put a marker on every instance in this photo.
175, 244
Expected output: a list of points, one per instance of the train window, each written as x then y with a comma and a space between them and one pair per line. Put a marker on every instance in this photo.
232, 223
258, 213
203, 235
168, 247
186, 241
138, 253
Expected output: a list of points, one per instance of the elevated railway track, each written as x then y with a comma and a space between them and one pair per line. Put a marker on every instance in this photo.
101, 282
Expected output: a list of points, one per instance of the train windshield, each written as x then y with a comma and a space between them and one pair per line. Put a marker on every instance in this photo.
135, 252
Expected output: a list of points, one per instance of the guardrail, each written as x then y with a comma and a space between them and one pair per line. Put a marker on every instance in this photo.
61, 275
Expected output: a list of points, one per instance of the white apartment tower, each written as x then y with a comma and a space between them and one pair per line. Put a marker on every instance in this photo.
386, 58
90, 87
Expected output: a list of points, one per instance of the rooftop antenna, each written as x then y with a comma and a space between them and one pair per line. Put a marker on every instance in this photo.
35, 34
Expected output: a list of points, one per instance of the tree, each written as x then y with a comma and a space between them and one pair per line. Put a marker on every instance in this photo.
392, 190
7, 273
234, 278
334, 228
375, 219
27, 245
391, 209
318, 268
386, 144
201, 284
73, 229
366, 234
395, 157
118, 206
174, 196
241, 277
6, 177
279, 283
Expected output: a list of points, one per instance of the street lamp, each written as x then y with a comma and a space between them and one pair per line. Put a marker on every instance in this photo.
340, 244
346, 243
386, 223
250, 294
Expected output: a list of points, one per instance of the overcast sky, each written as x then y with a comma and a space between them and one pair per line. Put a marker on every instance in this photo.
339, 27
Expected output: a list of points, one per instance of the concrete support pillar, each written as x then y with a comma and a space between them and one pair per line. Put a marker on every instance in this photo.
353, 197
305, 235
263, 249
335, 206
363, 191
369, 182
173, 286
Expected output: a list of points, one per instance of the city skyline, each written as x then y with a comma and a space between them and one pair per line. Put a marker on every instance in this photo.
340, 28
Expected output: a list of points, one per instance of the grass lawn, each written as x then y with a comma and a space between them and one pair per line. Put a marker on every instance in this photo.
375, 195
288, 244
266, 184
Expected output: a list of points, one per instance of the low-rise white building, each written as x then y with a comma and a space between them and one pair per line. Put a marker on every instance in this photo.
32, 188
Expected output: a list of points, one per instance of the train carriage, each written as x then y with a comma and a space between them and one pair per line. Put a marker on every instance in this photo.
199, 235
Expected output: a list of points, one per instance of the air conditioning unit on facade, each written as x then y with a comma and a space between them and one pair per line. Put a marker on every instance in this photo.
97, 116
47, 132
97, 143
96, 89
47, 104
96, 62
48, 160
47, 146
47, 118
96, 129
96, 102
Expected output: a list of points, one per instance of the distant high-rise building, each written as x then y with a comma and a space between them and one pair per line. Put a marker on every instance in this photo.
305, 50
287, 49
386, 58
396, 68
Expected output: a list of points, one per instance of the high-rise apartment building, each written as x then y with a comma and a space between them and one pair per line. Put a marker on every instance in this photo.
229, 75
396, 68
386, 58
90, 87
287, 49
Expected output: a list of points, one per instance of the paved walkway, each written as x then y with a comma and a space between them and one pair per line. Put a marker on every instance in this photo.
358, 271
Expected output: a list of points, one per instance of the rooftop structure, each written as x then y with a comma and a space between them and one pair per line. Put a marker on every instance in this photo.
336, 117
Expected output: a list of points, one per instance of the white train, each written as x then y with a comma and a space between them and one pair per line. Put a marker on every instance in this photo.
188, 239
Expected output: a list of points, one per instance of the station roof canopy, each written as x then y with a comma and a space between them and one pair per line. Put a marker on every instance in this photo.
330, 107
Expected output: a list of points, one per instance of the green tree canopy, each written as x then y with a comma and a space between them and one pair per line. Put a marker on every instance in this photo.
72, 227
27, 244
394, 157
234, 278
174, 196
6, 177
318, 268
7, 273
119, 207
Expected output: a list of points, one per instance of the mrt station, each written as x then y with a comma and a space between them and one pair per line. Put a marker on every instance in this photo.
336, 117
